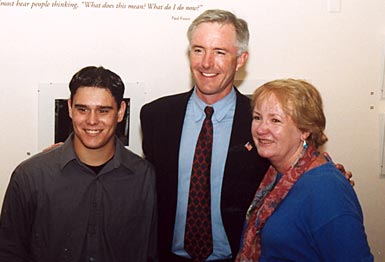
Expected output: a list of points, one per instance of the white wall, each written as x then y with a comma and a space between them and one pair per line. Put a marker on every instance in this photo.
342, 53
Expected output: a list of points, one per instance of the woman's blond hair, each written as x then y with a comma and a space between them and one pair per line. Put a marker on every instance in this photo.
301, 101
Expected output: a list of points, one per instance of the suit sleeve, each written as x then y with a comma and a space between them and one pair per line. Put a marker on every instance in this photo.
153, 241
146, 124
16, 220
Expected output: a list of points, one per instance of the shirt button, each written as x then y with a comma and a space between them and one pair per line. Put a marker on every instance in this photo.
92, 259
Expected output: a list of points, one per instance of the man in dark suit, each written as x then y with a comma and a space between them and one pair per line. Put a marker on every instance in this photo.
218, 43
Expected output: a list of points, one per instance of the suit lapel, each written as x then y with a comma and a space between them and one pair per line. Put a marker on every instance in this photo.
175, 127
241, 121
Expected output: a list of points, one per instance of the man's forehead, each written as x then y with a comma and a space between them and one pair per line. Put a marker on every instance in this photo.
94, 97
214, 34
93, 91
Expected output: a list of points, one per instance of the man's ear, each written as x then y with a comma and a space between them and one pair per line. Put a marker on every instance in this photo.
122, 111
69, 104
241, 60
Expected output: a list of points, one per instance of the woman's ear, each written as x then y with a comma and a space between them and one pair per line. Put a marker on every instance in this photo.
305, 135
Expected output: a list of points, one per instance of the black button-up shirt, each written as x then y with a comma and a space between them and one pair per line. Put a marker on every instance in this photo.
57, 209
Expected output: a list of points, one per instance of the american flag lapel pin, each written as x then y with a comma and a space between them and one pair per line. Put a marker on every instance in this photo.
248, 146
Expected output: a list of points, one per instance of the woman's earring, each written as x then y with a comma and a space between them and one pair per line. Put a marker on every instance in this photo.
304, 144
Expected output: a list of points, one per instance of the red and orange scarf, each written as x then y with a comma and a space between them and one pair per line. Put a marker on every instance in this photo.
266, 200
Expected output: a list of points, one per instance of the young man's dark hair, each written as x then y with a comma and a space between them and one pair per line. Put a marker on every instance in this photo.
92, 76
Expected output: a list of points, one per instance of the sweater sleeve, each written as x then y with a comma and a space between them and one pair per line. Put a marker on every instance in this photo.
337, 218
343, 239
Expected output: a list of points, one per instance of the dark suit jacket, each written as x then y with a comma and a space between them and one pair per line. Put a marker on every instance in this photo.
162, 122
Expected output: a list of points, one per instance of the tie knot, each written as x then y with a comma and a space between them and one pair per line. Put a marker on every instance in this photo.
209, 111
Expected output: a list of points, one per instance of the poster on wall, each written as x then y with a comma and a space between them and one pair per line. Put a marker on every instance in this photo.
54, 124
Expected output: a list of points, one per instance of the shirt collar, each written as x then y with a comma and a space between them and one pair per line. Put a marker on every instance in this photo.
221, 108
68, 154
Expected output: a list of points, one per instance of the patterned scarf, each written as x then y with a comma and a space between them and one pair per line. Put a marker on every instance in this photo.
266, 200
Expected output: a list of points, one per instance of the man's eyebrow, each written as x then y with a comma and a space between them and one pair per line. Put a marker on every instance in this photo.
105, 107
79, 105
99, 107
197, 46
215, 48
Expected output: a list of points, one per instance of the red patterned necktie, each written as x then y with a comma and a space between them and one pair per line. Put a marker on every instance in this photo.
198, 240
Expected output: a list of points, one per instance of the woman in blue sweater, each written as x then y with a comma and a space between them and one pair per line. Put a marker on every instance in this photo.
304, 209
